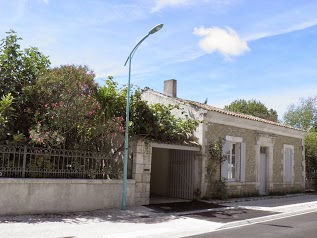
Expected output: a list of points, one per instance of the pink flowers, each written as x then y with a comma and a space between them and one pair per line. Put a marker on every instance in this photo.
41, 137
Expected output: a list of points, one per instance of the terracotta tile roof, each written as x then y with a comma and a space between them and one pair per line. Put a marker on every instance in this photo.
215, 109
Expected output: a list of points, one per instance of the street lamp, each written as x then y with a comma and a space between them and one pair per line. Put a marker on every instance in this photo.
126, 134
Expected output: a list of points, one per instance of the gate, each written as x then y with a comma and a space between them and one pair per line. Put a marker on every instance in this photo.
181, 172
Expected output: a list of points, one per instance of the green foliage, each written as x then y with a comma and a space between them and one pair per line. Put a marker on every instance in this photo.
40, 163
311, 153
112, 99
311, 145
254, 108
6, 114
18, 70
302, 115
64, 108
217, 187
157, 121
221, 190
18, 139
152, 121
215, 158
67, 110
110, 117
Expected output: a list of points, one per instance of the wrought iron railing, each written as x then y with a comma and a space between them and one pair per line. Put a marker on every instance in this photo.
33, 162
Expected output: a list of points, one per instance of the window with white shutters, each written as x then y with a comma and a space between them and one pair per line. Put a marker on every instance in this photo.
233, 165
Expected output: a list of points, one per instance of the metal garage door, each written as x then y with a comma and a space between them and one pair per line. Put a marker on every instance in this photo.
181, 173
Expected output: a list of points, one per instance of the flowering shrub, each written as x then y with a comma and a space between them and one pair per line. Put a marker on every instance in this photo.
42, 137
67, 109
63, 107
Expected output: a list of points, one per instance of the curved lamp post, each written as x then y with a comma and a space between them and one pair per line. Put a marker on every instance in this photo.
126, 134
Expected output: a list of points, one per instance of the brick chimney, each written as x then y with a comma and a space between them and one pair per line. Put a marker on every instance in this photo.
170, 87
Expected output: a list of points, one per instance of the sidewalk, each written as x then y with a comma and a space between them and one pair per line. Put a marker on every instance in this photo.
140, 221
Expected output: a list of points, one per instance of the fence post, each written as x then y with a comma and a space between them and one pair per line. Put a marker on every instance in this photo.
24, 162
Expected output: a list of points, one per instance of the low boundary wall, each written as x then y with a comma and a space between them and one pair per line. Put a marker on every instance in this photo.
35, 196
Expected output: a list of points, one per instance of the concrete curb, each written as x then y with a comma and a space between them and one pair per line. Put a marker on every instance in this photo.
266, 218
248, 199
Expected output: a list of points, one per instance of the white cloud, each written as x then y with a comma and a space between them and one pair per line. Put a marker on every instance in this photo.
225, 41
160, 4
290, 19
288, 29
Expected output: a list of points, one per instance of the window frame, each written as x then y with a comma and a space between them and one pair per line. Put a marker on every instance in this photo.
237, 142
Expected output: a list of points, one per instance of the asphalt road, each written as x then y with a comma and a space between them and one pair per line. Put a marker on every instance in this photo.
302, 226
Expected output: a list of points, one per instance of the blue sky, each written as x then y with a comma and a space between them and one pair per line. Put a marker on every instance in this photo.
222, 50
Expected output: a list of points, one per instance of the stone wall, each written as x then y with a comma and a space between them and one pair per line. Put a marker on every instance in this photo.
251, 138
299, 165
141, 171
35, 196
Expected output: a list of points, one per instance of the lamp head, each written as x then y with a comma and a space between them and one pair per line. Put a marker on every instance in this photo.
155, 29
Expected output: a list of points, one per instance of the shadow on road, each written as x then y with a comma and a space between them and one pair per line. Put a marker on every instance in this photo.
230, 215
183, 206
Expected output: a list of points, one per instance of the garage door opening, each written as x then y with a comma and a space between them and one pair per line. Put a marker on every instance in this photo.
174, 175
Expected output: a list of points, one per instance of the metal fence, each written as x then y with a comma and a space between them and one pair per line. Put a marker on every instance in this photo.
33, 162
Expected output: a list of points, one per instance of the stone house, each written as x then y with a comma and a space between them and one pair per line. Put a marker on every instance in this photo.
262, 156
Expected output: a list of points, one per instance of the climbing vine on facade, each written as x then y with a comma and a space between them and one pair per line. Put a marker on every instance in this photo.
217, 185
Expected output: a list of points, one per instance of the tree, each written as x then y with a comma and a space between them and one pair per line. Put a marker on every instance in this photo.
152, 121
67, 109
19, 69
111, 99
302, 115
311, 147
252, 107
6, 114
63, 107
311, 156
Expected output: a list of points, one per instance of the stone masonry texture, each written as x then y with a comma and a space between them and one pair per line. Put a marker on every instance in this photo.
250, 186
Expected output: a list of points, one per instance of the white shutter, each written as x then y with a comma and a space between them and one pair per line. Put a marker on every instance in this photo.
242, 163
288, 165
224, 165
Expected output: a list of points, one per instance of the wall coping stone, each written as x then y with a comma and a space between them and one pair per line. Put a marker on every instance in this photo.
65, 181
